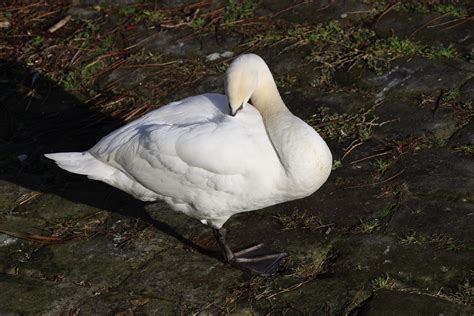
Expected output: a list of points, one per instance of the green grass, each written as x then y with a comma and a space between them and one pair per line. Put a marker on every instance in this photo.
357, 126
464, 294
287, 80
82, 76
409, 239
336, 47
465, 149
105, 45
382, 165
441, 8
299, 220
336, 164
144, 56
470, 56
312, 264
138, 15
383, 282
449, 9
451, 95
400, 47
441, 52
438, 240
198, 23
152, 16
374, 224
236, 10
444, 241
33, 44
369, 226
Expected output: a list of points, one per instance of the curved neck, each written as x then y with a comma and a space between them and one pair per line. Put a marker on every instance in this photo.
303, 154
266, 98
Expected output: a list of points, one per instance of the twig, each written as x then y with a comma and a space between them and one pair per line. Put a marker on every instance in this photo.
351, 149
382, 14
377, 183
60, 24
32, 237
427, 23
370, 157
151, 65
288, 289
457, 24
45, 15
291, 7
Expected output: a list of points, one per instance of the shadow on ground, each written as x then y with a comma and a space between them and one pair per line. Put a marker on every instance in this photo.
40, 117
392, 225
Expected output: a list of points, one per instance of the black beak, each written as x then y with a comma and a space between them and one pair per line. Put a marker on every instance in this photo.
236, 111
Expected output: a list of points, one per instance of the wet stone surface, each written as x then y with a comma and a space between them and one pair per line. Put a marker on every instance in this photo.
389, 86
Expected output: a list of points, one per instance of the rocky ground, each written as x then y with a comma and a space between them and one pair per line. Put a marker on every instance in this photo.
390, 86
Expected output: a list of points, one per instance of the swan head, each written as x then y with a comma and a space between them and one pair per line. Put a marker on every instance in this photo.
242, 79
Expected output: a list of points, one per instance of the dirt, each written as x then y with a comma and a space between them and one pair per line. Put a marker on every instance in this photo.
389, 233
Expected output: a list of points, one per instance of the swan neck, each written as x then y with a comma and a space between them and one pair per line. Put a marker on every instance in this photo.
267, 99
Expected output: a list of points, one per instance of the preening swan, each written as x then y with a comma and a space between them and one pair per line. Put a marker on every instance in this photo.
212, 156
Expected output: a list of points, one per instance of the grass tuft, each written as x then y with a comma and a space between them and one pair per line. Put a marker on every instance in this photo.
383, 282
300, 220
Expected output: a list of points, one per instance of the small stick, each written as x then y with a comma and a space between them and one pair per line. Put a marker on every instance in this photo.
377, 183
60, 24
151, 65
351, 148
369, 157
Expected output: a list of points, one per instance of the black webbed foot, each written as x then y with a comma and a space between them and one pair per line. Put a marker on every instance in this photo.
257, 259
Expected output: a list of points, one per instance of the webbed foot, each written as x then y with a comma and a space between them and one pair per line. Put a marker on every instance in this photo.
257, 259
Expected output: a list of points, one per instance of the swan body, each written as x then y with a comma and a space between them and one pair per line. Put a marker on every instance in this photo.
211, 156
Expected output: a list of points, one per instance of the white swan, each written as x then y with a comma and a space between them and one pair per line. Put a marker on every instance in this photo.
211, 165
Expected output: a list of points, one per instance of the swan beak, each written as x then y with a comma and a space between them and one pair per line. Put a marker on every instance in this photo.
233, 113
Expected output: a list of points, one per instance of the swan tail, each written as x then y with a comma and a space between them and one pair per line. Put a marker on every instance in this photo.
86, 164
83, 163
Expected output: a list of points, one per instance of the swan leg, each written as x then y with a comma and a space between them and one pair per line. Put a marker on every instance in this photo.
257, 259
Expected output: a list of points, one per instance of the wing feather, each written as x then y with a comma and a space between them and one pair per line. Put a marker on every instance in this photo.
193, 152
